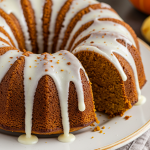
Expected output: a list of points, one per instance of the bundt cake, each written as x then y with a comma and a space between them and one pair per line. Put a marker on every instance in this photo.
36, 86
51, 84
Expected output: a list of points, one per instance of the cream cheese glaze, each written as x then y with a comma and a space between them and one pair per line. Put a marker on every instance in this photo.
97, 14
63, 67
55, 9
5, 38
14, 7
6, 27
38, 12
75, 7
7, 60
3, 44
106, 26
62, 74
105, 43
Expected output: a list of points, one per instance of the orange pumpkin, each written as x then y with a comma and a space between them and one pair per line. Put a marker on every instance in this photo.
142, 5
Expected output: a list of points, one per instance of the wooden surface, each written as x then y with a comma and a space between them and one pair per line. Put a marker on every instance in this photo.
129, 14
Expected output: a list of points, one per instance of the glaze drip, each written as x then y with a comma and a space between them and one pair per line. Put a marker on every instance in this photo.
97, 14
106, 26
75, 7
62, 66
105, 43
3, 44
38, 12
27, 141
56, 66
5, 38
55, 8
6, 27
14, 7
6, 61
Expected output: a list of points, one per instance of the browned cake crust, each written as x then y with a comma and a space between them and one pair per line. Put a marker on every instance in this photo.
82, 28
30, 19
59, 22
80, 41
3, 40
12, 24
85, 26
77, 18
46, 22
6, 34
5, 49
17, 25
50, 112
46, 110
138, 62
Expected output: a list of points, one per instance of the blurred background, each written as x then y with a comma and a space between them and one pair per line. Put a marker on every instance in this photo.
129, 14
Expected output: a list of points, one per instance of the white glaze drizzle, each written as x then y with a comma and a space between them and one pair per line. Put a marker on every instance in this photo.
8, 30
61, 79
141, 101
5, 38
14, 6
106, 45
107, 26
3, 44
38, 12
56, 6
104, 5
76, 6
6, 60
62, 74
93, 15
27, 141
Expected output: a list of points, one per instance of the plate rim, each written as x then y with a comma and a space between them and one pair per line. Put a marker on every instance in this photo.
135, 134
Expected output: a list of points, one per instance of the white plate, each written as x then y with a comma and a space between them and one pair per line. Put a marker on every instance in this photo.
120, 133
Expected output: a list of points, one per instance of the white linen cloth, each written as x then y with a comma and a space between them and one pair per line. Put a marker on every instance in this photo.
141, 143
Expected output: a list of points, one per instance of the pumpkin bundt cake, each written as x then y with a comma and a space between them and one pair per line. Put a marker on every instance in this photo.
50, 93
